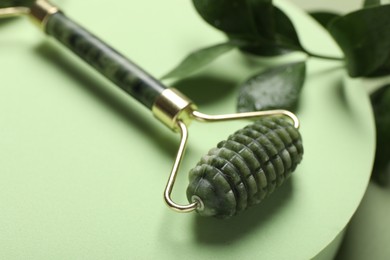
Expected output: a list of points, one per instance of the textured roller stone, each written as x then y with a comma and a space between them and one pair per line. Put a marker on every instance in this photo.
243, 170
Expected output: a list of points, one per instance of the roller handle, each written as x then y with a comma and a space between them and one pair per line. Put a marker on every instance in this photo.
120, 70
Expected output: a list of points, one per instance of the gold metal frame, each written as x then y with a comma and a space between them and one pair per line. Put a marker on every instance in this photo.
39, 12
14, 11
176, 111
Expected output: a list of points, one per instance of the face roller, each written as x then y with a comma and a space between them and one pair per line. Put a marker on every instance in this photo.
238, 173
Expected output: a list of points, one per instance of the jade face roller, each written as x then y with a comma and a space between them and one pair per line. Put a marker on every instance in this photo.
238, 173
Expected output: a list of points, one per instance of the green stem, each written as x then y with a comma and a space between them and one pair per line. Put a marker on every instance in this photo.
322, 56
313, 55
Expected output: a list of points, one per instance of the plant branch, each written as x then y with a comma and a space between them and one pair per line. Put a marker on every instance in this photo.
314, 55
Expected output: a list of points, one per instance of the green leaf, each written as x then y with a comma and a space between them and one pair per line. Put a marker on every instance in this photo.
324, 18
262, 14
380, 100
266, 27
275, 88
230, 16
285, 38
368, 3
285, 31
200, 58
364, 37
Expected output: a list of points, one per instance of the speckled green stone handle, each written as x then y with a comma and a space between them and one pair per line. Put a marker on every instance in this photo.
124, 73
246, 168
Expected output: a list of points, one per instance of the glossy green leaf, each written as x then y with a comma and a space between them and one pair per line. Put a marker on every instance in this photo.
324, 18
364, 37
200, 58
285, 38
275, 88
381, 105
285, 31
266, 27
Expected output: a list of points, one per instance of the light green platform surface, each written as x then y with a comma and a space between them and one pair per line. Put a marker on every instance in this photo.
368, 234
83, 167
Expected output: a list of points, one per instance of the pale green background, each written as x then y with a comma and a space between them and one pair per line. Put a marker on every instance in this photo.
83, 167
368, 234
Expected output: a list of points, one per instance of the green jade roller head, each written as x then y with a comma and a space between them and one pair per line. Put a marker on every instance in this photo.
240, 172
